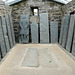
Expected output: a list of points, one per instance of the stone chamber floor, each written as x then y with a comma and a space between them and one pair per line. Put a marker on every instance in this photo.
37, 59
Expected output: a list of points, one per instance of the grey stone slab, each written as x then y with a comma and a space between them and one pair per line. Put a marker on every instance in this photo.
4, 26
3, 48
7, 43
61, 31
5, 34
24, 28
0, 52
70, 33
45, 58
44, 37
65, 31
54, 32
31, 58
34, 32
9, 30
2, 41
12, 30
73, 46
44, 28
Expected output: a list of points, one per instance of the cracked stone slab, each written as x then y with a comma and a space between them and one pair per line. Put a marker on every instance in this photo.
13, 63
70, 33
45, 58
54, 32
65, 31
31, 58
34, 32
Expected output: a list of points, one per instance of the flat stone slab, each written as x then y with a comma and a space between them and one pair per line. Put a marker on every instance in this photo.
3, 48
2, 42
31, 58
5, 34
9, 30
54, 32
61, 31
73, 47
65, 31
24, 28
7, 43
45, 58
70, 33
12, 30
13, 64
36, 57
44, 28
34, 32
44, 37
0, 52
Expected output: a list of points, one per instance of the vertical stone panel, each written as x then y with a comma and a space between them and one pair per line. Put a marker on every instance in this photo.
5, 34
73, 47
44, 28
65, 31
0, 52
2, 41
54, 32
12, 30
9, 30
61, 31
70, 33
24, 28
34, 32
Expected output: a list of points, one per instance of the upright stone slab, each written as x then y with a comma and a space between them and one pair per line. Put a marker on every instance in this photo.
44, 28
24, 28
73, 47
54, 32
12, 30
70, 33
65, 31
0, 52
61, 31
2, 41
34, 32
9, 30
5, 34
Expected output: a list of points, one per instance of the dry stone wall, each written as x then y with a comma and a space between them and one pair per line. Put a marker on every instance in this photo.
69, 8
53, 9
4, 8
